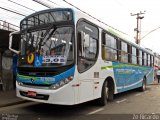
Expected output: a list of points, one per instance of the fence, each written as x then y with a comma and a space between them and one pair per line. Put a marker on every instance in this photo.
8, 26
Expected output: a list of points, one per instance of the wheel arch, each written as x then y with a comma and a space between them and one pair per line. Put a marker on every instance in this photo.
111, 84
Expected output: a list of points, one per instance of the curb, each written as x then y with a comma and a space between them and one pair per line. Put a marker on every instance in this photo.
14, 103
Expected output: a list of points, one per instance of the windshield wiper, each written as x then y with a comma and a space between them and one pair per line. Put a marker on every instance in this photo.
46, 35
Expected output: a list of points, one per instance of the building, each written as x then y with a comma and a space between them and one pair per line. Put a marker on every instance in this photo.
6, 57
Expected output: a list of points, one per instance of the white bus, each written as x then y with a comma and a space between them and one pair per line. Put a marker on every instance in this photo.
90, 61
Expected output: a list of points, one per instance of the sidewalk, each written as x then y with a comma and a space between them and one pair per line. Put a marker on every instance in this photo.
155, 82
8, 98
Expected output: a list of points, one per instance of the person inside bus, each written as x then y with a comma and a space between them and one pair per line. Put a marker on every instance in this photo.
52, 52
47, 53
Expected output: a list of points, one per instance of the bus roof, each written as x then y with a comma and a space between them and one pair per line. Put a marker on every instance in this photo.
79, 14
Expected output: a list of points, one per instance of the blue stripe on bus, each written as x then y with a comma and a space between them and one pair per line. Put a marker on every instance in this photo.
46, 80
128, 76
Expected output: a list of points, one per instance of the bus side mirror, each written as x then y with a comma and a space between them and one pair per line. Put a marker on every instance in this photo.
14, 41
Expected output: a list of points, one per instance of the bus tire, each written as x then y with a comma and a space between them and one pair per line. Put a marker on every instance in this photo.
144, 85
102, 101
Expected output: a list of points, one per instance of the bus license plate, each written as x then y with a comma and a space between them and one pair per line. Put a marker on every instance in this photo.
31, 94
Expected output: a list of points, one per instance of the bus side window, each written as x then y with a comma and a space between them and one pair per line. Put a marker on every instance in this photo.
104, 52
140, 57
87, 38
109, 47
82, 43
124, 54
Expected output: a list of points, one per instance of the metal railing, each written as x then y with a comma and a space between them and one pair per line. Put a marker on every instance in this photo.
8, 26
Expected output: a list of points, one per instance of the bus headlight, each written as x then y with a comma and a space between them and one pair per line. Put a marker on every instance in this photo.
61, 83
20, 83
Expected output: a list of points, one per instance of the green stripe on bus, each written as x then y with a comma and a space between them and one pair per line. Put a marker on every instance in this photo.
122, 65
27, 77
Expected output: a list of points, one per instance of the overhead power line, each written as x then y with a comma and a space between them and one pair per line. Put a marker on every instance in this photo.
21, 5
94, 17
53, 3
150, 32
42, 3
12, 11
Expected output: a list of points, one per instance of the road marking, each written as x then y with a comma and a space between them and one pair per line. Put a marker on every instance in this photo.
18, 106
138, 94
95, 111
120, 101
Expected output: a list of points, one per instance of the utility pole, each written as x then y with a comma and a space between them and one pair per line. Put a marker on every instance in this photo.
138, 29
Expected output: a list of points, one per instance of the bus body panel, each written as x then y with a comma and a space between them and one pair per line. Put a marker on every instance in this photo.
126, 76
66, 95
131, 76
91, 82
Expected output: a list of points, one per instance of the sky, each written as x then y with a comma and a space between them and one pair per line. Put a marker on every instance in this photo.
116, 13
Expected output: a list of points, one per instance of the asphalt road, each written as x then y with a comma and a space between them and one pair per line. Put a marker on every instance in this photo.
129, 105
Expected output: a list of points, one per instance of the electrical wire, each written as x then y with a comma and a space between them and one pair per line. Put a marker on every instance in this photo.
54, 3
94, 17
9, 5
149, 33
12, 11
22, 5
42, 3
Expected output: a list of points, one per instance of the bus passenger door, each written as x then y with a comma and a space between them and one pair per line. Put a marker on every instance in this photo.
85, 79
85, 88
87, 51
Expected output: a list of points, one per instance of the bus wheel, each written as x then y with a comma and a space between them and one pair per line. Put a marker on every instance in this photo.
104, 95
144, 85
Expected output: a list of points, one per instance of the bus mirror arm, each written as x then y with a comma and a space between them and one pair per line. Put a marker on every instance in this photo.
10, 43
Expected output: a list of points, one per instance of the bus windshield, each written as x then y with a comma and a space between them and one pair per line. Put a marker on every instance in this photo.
47, 39
52, 46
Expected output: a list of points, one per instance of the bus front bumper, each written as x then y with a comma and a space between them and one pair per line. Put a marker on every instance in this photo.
61, 96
